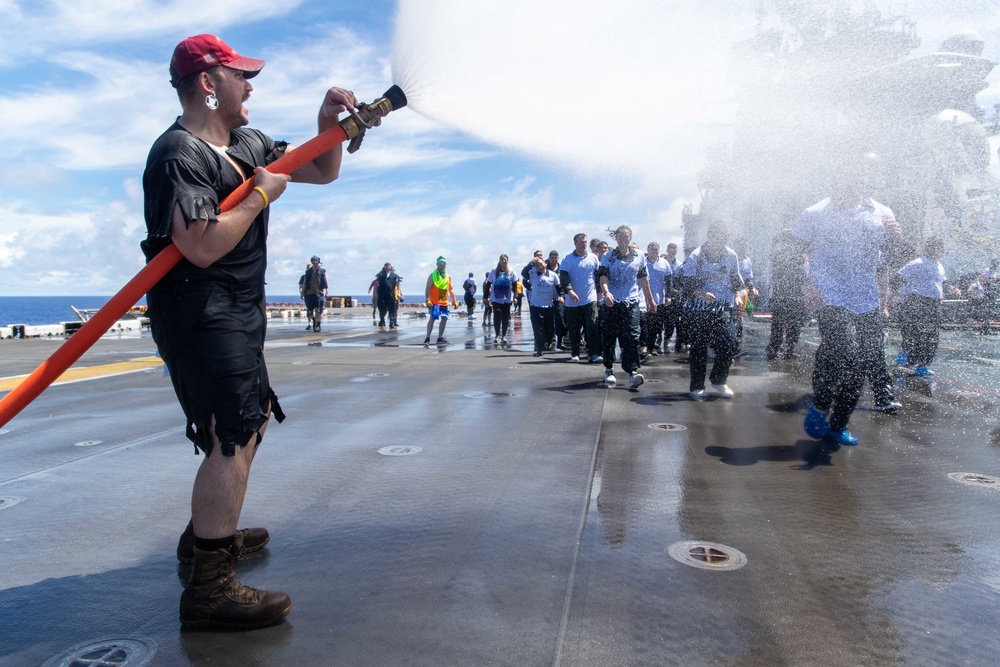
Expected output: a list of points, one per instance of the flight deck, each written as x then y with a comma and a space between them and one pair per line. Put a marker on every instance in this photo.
465, 505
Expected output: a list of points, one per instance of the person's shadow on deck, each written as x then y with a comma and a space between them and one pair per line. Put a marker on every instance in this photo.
809, 452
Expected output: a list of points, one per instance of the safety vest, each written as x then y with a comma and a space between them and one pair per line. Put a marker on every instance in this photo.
439, 294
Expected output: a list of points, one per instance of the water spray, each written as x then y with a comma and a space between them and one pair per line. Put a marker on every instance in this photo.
352, 128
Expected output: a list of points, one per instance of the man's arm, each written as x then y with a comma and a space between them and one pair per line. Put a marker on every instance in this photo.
602, 281
203, 242
736, 279
567, 286
648, 293
526, 276
326, 168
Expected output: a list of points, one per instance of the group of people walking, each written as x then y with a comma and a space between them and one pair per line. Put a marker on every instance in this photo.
616, 303
611, 304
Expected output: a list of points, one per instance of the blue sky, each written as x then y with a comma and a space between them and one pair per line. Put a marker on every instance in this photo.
538, 120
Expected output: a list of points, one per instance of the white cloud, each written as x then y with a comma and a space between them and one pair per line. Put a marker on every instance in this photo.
32, 29
72, 253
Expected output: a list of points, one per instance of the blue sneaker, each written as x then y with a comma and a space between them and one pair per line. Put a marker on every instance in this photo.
815, 423
842, 437
923, 371
902, 358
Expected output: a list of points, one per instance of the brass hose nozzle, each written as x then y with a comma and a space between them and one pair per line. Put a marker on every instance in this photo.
370, 115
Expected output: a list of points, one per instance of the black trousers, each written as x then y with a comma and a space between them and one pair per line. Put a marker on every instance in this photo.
390, 307
673, 320
920, 321
501, 319
583, 318
470, 303
542, 325
787, 317
559, 316
850, 349
651, 326
621, 326
715, 326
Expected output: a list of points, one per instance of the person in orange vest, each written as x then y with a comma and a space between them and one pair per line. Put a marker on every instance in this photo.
438, 294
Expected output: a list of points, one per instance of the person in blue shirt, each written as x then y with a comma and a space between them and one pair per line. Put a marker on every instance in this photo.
709, 280
621, 275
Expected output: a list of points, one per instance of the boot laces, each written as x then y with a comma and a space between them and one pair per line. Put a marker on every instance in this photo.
239, 592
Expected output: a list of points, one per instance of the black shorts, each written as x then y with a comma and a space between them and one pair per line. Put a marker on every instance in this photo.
211, 337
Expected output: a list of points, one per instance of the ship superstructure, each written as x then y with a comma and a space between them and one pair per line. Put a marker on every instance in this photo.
815, 72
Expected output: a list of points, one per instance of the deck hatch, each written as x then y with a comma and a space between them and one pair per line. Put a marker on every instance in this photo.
975, 479
707, 555
115, 652
668, 427
399, 450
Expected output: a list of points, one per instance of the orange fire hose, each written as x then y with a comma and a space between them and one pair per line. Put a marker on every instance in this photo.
33, 385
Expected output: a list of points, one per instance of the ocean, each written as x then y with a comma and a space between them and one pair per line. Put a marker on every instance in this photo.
35, 310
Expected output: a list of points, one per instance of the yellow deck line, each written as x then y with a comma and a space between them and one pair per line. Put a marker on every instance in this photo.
91, 372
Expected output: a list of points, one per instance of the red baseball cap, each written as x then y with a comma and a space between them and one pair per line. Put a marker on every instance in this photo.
202, 52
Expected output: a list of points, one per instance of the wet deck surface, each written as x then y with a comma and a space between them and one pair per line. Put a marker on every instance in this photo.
533, 526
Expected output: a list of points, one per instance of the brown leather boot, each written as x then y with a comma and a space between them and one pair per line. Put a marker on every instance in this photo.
254, 539
214, 598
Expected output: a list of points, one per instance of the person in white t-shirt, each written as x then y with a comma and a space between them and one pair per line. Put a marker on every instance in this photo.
843, 235
921, 292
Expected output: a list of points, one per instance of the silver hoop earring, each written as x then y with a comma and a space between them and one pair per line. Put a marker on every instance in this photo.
211, 101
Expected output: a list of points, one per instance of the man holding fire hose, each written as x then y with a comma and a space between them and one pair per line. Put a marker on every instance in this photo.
207, 313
